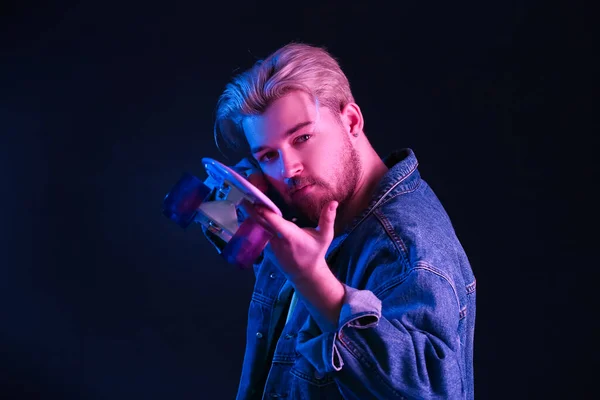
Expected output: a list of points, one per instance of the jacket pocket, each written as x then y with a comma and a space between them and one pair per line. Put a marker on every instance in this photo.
308, 383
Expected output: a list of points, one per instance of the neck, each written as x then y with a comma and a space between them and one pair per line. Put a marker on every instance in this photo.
372, 172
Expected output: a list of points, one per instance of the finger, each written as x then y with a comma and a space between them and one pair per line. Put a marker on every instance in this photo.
282, 228
327, 219
258, 180
250, 211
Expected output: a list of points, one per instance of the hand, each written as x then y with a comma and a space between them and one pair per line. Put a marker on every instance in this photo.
253, 174
299, 252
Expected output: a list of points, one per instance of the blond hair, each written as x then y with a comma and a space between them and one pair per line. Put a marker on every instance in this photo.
295, 66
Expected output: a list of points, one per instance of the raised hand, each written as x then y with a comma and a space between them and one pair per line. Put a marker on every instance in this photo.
299, 252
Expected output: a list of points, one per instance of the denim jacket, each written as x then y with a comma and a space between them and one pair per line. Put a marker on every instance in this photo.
407, 323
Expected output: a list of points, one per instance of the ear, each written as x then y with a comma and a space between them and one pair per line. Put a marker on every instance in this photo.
352, 120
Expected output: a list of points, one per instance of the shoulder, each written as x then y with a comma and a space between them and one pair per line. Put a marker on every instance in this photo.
410, 220
408, 231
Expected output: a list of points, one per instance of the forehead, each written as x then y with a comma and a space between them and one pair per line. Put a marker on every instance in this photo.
284, 113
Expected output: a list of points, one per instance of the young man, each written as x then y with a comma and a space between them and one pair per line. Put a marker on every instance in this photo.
375, 300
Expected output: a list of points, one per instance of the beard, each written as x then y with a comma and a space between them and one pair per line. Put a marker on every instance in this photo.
341, 186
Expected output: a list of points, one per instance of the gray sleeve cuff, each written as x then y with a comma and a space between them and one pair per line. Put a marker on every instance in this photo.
361, 310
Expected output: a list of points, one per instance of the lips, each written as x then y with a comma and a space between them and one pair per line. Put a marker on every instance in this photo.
299, 190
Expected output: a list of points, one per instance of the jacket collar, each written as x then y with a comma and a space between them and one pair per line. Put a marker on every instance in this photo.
402, 176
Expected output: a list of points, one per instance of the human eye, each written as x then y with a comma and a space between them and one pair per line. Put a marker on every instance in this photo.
268, 156
302, 138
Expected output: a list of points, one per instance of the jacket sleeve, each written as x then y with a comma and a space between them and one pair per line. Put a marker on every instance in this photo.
399, 340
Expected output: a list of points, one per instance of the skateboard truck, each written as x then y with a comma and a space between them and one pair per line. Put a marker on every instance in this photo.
216, 205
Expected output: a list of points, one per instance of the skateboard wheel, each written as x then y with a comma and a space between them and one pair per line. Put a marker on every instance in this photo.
246, 245
182, 202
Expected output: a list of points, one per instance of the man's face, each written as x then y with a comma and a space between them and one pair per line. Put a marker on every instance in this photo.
305, 153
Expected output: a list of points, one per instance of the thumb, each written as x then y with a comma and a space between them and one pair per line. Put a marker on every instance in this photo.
327, 218
275, 224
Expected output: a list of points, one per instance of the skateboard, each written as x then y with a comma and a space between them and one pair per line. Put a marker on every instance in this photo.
216, 204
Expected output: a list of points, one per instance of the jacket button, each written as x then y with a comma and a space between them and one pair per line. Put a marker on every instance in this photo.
258, 335
272, 275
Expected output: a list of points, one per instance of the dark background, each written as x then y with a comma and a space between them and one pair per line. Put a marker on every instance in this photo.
103, 106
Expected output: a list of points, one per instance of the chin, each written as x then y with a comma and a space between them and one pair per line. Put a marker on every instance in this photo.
310, 207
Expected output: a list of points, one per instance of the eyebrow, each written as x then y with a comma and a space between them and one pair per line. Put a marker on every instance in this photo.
288, 133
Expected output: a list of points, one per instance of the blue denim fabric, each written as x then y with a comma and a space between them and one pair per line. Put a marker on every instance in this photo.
407, 324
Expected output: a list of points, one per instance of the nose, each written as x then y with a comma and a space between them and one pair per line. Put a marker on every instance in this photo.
290, 165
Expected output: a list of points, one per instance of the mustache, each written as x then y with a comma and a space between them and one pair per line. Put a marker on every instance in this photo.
301, 181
